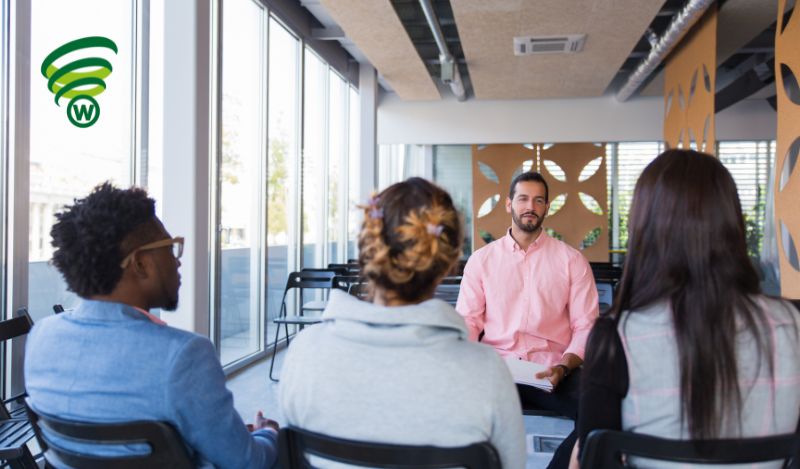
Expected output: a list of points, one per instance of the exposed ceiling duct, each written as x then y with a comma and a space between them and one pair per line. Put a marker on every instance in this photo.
449, 74
681, 23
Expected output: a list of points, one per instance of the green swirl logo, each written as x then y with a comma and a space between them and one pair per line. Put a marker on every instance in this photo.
79, 80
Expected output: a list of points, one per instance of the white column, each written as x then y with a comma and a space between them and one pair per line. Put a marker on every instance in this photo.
18, 180
368, 96
187, 153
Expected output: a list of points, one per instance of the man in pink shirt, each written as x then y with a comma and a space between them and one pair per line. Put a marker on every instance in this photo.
534, 298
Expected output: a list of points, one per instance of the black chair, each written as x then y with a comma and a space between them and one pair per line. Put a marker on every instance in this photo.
606, 448
295, 444
311, 279
448, 289
58, 309
15, 429
166, 446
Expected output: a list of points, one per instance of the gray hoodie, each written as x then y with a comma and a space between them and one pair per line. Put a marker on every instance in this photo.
403, 375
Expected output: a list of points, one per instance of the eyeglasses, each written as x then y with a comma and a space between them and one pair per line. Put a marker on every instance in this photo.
176, 244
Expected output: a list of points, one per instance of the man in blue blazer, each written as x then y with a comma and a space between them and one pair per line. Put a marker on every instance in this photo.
110, 360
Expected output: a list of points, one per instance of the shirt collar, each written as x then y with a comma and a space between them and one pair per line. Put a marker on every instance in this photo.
511, 244
153, 318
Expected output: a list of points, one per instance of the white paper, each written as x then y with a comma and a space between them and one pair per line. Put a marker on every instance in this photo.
524, 372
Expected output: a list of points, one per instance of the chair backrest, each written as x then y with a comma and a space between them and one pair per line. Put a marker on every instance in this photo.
604, 448
167, 448
295, 444
18, 326
310, 279
796, 304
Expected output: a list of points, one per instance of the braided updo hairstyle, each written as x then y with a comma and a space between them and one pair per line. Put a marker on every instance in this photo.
410, 239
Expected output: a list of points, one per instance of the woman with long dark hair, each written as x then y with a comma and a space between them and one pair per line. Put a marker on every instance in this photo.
691, 349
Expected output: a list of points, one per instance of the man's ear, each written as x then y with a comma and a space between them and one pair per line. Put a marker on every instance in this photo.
141, 265
508, 204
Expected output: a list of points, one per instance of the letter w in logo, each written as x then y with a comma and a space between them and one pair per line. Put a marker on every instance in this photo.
83, 112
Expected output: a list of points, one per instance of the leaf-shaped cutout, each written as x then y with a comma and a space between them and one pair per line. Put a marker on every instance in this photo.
555, 170
488, 172
554, 234
706, 79
789, 247
681, 100
788, 10
591, 238
705, 132
598, 144
488, 205
692, 86
790, 85
482, 146
556, 204
527, 165
590, 169
547, 146
529, 146
485, 236
789, 163
680, 140
590, 203
668, 104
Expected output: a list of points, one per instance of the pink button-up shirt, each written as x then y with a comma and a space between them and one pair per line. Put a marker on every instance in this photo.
536, 305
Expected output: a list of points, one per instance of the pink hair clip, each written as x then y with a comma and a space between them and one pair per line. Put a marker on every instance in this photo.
435, 230
374, 211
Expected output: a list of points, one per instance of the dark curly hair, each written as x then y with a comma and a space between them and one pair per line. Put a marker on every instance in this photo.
88, 237
410, 238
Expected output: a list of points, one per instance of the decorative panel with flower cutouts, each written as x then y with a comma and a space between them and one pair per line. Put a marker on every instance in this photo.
576, 176
689, 81
787, 173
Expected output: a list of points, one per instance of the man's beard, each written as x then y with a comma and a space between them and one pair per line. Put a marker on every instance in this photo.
527, 227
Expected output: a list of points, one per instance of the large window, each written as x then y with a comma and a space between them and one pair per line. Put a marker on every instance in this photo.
337, 165
315, 145
242, 185
284, 126
750, 163
354, 218
452, 169
69, 154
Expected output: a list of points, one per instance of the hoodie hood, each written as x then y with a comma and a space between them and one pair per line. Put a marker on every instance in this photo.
427, 322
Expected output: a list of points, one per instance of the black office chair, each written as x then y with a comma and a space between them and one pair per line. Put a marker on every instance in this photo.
294, 445
15, 429
311, 279
166, 446
606, 448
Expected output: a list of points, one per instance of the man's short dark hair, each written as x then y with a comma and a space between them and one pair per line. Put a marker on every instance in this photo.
529, 176
88, 236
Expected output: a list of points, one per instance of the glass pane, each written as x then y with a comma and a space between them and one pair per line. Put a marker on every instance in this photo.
154, 177
354, 177
73, 146
284, 99
242, 179
452, 169
337, 141
315, 118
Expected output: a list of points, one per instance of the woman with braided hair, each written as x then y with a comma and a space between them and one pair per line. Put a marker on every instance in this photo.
398, 368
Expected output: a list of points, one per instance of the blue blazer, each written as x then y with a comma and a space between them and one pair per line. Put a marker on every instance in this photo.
107, 362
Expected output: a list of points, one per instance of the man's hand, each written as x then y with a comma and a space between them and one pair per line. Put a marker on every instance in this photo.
555, 374
262, 422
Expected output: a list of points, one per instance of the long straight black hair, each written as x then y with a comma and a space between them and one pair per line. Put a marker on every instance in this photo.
686, 246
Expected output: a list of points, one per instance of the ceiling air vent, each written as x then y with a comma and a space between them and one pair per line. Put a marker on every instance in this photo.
532, 45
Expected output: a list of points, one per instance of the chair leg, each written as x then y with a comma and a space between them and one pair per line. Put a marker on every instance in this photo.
274, 352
